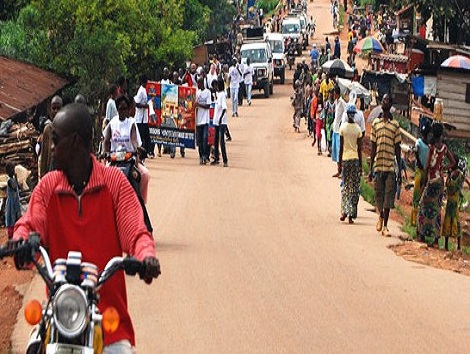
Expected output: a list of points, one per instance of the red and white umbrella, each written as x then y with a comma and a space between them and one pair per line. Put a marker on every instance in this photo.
457, 62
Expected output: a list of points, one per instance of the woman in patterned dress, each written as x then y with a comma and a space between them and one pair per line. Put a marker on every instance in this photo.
350, 164
429, 218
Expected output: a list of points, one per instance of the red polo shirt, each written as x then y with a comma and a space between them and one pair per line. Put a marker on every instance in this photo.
103, 222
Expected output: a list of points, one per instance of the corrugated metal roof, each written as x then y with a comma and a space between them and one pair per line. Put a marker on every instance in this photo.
23, 86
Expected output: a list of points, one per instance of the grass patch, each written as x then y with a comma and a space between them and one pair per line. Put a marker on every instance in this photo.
341, 17
367, 192
407, 228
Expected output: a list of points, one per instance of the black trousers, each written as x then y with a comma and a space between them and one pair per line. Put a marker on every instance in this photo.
219, 139
241, 93
145, 136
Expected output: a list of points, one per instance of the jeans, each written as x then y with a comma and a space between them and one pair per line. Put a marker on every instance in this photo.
248, 88
234, 99
201, 136
220, 139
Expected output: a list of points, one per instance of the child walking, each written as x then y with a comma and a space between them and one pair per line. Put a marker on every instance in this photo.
451, 225
12, 209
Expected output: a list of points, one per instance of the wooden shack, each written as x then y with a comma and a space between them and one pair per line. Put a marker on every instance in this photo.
453, 87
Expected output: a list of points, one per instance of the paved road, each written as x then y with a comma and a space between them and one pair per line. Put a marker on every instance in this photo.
255, 260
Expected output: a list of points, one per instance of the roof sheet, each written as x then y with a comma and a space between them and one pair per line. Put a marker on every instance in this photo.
23, 86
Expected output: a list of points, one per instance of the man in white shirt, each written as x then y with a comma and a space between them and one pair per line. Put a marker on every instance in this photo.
220, 121
248, 76
166, 77
141, 113
234, 77
203, 103
211, 76
340, 109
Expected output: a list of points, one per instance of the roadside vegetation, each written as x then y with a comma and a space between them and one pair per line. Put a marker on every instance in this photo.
93, 45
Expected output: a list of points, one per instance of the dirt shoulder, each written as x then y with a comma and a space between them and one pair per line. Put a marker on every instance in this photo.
10, 298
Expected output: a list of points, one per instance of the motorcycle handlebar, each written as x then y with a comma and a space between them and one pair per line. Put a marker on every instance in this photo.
27, 248
130, 265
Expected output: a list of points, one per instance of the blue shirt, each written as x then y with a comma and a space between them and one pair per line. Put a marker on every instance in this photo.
314, 54
423, 150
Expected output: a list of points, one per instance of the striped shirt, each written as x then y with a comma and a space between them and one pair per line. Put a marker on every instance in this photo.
386, 135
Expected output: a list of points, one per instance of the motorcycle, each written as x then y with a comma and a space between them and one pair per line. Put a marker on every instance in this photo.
126, 162
69, 321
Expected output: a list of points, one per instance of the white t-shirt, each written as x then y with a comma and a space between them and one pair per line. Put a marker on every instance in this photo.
234, 76
358, 119
220, 105
210, 77
141, 114
121, 134
165, 82
111, 109
340, 108
248, 75
202, 114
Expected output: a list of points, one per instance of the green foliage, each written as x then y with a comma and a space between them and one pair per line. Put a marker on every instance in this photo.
196, 17
21, 39
267, 5
341, 16
403, 121
96, 41
406, 227
367, 192
221, 14
9, 9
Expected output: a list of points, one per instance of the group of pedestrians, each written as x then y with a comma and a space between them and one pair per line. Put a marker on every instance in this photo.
337, 126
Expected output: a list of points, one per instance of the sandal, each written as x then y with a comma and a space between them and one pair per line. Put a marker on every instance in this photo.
350, 220
343, 217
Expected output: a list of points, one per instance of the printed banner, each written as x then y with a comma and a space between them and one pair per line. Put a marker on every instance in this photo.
172, 115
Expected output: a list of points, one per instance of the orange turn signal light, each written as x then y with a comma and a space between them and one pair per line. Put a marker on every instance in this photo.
110, 320
33, 312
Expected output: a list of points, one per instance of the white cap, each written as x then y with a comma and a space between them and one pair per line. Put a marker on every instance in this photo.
314, 45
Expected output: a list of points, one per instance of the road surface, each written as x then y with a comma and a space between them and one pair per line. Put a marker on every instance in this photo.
255, 260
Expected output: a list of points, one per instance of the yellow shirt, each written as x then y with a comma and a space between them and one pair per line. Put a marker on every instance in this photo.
350, 133
325, 88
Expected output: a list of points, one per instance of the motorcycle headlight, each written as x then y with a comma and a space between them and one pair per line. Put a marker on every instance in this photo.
70, 311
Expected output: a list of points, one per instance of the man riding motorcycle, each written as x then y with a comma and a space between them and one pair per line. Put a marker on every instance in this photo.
121, 134
291, 54
87, 207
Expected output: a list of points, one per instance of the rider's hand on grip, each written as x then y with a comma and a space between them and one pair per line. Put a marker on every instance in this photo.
22, 253
151, 269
